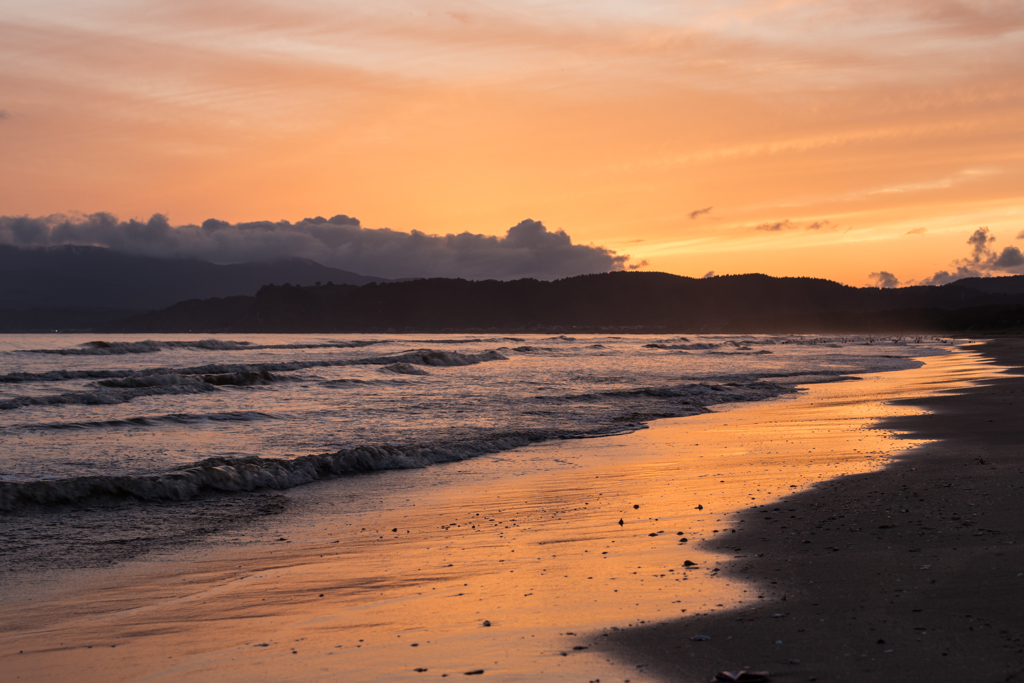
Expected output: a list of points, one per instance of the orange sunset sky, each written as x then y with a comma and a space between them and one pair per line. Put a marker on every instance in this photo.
825, 138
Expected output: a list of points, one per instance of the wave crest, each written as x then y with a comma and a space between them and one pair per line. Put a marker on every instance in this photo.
248, 473
106, 348
431, 357
104, 396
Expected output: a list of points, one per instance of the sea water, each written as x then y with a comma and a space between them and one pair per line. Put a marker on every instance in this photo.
174, 418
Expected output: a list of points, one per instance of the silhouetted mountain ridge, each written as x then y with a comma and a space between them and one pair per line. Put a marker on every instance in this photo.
1009, 284
618, 301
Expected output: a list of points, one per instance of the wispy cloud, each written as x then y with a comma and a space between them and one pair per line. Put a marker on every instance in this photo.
777, 226
939, 184
700, 212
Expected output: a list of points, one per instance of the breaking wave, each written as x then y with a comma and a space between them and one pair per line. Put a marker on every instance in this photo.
104, 397
241, 378
431, 357
252, 473
694, 394
156, 420
123, 390
702, 346
105, 348
218, 475
746, 344
117, 348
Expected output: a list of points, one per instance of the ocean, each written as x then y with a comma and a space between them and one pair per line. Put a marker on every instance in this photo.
87, 421
371, 508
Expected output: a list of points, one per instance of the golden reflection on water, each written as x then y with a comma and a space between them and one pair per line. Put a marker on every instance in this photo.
378, 576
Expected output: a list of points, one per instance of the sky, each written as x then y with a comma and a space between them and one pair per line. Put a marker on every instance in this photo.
863, 141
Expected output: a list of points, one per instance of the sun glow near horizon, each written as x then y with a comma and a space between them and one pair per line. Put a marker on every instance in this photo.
827, 139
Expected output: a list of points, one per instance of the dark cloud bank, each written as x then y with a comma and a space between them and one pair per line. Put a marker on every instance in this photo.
528, 249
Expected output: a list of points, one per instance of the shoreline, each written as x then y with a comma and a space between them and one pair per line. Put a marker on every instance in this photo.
335, 563
913, 572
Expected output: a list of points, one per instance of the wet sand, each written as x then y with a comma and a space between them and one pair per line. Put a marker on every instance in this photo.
912, 573
395, 576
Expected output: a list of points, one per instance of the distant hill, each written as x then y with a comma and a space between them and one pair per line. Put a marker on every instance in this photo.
72, 287
1009, 284
609, 302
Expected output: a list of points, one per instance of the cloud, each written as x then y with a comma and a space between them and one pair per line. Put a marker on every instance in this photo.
980, 240
884, 279
4, 115
944, 276
779, 226
1020, 235
708, 275
1009, 259
916, 231
700, 212
637, 266
528, 249
775, 227
982, 262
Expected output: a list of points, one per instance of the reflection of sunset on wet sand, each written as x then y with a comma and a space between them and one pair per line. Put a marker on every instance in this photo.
374, 582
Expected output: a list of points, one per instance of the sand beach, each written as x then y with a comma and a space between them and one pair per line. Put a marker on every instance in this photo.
914, 572
861, 530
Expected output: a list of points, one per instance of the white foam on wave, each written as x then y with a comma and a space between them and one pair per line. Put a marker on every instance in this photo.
253, 473
116, 348
247, 474
427, 357
104, 396
434, 358
699, 394
122, 386
153, 420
